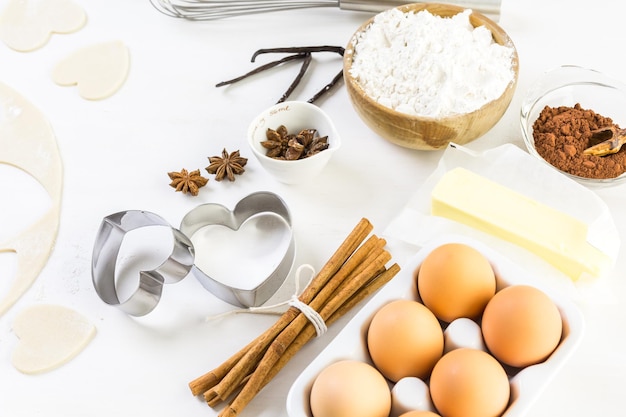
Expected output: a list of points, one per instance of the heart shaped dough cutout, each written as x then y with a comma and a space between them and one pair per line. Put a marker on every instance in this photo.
26, 25
98, 70
50, 336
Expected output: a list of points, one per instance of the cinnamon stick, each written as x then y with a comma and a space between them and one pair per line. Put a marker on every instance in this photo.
227, 386
353, 272
231, 373
309, 331
289, 334
211, 378
345, 250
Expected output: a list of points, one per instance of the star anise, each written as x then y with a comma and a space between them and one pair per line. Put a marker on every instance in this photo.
187, 182
227, 165
277, 141
281, 144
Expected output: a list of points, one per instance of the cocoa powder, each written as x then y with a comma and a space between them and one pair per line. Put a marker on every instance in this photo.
561, 135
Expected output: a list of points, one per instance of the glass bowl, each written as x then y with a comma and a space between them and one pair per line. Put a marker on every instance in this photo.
566, 86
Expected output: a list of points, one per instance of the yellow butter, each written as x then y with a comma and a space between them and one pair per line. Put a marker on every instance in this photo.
553, 235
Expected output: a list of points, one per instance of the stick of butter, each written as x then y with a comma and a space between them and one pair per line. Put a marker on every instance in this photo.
553, 235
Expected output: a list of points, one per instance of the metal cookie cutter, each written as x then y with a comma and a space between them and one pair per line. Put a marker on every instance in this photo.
106, 250
272, 216
264, 210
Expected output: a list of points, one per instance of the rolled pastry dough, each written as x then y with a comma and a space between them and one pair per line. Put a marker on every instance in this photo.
27, 142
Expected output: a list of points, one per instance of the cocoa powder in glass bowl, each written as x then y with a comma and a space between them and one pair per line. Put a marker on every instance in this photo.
558, 114
561, 134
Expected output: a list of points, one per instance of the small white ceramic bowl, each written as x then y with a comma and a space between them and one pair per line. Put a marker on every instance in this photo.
295, 116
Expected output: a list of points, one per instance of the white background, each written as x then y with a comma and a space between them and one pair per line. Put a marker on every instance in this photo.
168, 115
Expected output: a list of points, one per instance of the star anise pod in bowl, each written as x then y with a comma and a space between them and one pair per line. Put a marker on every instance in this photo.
227, 166
280, 144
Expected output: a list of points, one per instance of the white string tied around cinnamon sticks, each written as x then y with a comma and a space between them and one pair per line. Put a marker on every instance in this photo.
310, 313
314, 317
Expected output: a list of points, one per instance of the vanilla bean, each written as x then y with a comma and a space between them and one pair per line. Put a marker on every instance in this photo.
308, 49
327, 87
299, 52
262, 68
300, 49
296, 81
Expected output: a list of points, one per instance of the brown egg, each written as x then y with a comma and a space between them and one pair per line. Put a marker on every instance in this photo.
469, 383
404, 339
521, 325
456, 280
418, 413
350, 388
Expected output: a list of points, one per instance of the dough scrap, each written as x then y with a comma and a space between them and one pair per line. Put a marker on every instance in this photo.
50, 336
98, 70
27, 25
28, 142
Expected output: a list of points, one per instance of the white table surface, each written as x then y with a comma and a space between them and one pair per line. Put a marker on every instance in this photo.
168, 115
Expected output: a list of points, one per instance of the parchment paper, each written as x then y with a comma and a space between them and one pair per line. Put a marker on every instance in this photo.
516, 169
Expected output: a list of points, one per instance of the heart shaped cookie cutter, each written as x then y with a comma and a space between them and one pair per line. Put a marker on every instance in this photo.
275, 219
106, 250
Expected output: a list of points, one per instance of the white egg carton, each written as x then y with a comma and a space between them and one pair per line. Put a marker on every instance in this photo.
526, 384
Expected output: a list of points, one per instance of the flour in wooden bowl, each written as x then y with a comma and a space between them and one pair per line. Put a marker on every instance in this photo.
427, 65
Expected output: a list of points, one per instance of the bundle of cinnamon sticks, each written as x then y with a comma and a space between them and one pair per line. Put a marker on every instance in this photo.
356, 270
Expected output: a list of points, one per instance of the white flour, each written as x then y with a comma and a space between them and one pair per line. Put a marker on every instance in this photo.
426, 65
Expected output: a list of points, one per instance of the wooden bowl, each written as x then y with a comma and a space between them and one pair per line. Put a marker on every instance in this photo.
429, 133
